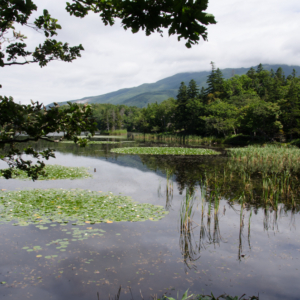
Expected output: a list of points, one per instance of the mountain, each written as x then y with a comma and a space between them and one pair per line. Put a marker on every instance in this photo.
165, 88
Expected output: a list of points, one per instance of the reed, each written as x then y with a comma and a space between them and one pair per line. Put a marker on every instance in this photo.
266, 159
189, 248
168, 137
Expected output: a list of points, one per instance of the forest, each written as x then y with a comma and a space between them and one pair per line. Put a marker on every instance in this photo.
261, 103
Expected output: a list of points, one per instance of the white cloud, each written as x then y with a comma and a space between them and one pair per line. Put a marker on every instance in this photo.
247, 33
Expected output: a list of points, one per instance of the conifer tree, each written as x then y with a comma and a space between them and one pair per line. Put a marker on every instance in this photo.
214, 80
182, 95
280, 75
251, 73
259, 68
210, 79
193, 90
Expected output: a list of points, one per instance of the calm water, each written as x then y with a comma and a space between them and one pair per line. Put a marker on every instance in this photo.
233, 248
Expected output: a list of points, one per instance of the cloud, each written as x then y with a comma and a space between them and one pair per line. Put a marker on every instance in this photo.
247, 33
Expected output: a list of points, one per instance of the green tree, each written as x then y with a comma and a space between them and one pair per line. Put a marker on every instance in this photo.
215, 83
180, 112
290, 108
37, 122
261, 117
193, 90
220, 118
186, 19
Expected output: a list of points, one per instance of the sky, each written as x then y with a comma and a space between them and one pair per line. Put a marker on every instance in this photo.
248, 32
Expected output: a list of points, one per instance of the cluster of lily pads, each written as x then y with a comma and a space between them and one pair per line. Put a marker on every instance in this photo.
62, 244
165, 151
56, 172
38, 206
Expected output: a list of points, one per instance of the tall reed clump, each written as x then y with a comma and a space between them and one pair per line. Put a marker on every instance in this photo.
266, 159
169, 187
277, 167
189, 249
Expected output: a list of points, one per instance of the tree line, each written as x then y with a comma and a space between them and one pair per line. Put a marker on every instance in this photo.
259, 103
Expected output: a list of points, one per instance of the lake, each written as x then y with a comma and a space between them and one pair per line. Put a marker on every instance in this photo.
232, 243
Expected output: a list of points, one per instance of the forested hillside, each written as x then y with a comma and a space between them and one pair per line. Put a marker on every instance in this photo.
163, 89
259, 103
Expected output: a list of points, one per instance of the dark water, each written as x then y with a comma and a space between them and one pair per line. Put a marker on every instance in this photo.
230, 248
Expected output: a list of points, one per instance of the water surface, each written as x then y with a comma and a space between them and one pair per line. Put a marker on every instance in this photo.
229, 248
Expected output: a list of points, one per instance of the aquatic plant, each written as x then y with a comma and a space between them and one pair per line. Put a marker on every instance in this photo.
266, 159
165, 151
185, 296
53, 172
39, 206
169, 187
188, 245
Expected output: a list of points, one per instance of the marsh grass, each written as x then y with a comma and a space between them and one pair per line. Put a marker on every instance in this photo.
54, 172
271, 171
188, 246
267, 159
78, 206
196, 139
165, 151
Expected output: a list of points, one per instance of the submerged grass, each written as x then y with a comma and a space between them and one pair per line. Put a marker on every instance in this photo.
165, 151
54, 172
79, 206
185, 296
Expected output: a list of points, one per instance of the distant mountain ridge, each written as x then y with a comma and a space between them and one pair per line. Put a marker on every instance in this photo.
163, 89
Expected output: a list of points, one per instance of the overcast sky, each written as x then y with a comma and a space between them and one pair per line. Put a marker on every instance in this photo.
248, 32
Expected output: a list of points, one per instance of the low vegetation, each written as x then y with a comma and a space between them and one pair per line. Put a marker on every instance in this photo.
39, 206
115, 132
53, 172
93, 142
165, 151
267, 159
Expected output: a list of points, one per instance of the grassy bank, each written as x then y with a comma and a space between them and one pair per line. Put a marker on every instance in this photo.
114, 132
238, 139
